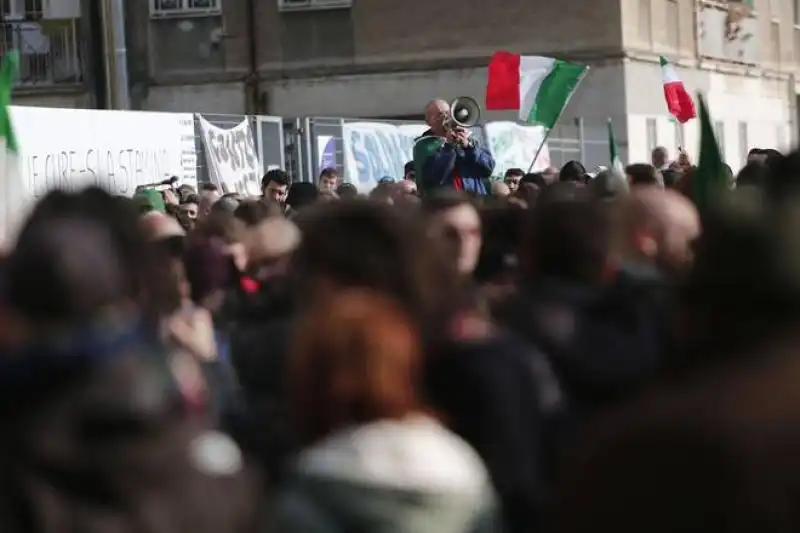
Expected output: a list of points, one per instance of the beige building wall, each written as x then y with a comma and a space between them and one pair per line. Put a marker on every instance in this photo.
383, 58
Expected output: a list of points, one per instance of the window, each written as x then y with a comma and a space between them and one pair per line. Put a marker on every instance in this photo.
673, 24
167, 8
652, 133
645, 22
313, 5
744, 143
21, 9
775, 9
775, 41
719, 133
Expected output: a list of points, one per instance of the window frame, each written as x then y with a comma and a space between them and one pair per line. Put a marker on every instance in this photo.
313, 5
185, 10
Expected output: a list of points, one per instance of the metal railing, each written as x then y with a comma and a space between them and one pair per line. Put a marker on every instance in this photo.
50, 51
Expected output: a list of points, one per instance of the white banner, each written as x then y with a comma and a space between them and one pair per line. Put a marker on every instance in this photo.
116, 150
373, 150
232, 158
514, 146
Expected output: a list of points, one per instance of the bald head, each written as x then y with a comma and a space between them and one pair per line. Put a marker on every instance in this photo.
659, 226
500, 189
435, 113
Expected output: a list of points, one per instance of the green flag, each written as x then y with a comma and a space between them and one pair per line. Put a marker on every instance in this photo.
8, 71
710, 179
11, 188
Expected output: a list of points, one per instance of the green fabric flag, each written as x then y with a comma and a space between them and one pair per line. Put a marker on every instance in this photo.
8, 71
710, 180
424, 148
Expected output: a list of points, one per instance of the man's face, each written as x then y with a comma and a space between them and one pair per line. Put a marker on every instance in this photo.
411, 176
189, 211
435, 114
276, 192
463, 225
329, 182
513, 182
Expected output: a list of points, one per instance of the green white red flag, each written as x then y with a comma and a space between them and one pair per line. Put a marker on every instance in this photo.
679, 102
539, 88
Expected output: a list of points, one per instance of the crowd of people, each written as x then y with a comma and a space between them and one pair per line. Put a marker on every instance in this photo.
565, 354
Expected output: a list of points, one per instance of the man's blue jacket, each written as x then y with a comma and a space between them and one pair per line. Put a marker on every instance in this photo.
473, 164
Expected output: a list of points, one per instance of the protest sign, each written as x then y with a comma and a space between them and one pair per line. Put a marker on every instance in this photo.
373, 150
514, 146
232, 158
326, 151
116, 150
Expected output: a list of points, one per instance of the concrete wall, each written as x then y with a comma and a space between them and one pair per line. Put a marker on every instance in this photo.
222, 98
78, 99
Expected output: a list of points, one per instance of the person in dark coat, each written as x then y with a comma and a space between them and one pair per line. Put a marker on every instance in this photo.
96, 434
713, 449
601, 341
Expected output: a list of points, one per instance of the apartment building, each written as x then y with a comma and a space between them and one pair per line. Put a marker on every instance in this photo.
384, 58
51, 36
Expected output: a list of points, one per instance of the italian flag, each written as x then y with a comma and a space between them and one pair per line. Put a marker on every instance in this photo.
538, 87
679, 102
9, 158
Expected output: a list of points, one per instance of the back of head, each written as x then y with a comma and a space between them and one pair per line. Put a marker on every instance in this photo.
753, 174
671, 177
502, 228
74, 256
782, 180
607, 186
568, 237
535, 178
643, 174
253, 212
443, 199
347, 191
302, 195
370, 245
355, 360
528, 192
746, 277
572, 171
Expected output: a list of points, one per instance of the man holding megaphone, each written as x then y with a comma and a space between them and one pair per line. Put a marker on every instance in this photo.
446, 155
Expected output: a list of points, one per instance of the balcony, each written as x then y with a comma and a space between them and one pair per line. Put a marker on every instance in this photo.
49, 51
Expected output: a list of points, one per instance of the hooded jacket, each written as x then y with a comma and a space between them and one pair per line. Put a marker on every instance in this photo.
437, 163
410, 476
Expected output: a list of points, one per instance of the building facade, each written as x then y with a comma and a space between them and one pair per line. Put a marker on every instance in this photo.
386, 59
51, 37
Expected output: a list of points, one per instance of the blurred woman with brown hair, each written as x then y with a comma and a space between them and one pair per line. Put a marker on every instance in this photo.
374, 459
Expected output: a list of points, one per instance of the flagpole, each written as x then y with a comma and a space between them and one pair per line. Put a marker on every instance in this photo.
539, 150
558, 118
